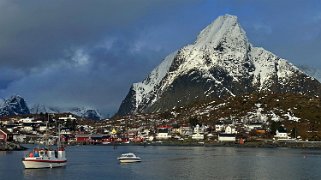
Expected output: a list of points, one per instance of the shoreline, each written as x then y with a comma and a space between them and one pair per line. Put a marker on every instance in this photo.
10, 146
257, 144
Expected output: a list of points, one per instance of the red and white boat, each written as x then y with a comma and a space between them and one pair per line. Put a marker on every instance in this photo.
46, 158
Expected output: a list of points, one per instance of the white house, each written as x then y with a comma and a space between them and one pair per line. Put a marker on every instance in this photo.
26, 120
66, 118
42, 128
27, 128
198, 133
144, 134
163, 132
281, 135
219, 127
229, 135
185, 131
252, 126
230, 130
223, 137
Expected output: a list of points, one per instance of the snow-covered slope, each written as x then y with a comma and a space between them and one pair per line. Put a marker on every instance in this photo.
221, 62
145, 89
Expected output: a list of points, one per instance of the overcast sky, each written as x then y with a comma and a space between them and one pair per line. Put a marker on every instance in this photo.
88, 53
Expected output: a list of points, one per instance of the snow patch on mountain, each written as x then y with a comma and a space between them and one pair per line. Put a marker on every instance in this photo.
84, 112
267, 64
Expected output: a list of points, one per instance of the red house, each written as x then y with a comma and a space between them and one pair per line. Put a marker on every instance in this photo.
82, 138
5, 135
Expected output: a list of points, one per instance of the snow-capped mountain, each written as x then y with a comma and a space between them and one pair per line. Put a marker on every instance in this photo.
15, 105
85, 112
220, 63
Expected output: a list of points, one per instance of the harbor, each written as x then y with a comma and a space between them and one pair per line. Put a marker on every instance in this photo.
168, 162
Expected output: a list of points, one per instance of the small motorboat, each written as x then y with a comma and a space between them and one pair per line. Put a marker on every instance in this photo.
129, 158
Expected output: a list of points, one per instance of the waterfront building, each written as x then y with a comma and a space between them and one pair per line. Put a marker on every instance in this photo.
251, 126
219, 126
163, 132
281, 135
198, 133
66, 118
229, 135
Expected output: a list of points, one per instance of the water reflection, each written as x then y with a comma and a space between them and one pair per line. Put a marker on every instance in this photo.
3, 153
47, 173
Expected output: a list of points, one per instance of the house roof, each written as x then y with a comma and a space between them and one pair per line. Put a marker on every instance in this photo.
4, 130
164, 127
82, 135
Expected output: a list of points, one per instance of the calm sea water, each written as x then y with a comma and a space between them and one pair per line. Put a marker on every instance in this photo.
168, 162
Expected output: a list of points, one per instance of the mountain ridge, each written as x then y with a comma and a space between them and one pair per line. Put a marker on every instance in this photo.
16, 105
85, 112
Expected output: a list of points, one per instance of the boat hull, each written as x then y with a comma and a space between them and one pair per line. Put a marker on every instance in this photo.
37, 164
129, 160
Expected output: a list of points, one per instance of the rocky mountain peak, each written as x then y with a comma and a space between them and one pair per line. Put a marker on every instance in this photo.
224, 31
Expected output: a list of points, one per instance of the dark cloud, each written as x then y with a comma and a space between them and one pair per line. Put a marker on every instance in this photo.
88, 53
35, 33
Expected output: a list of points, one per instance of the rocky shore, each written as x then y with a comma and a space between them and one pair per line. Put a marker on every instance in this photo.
9, 146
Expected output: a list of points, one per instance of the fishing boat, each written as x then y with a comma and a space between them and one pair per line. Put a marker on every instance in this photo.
46, 157
129, 158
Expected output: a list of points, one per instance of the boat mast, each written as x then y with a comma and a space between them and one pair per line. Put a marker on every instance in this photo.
58, 144
47, 134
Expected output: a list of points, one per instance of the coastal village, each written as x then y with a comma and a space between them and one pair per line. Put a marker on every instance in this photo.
42, 129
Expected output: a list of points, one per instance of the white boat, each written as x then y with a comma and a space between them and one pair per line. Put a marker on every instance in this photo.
129, 158
46, 158
42, 158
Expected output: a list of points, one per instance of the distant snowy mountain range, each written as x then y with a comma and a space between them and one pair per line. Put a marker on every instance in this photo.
16, 105
220, 63
85, 112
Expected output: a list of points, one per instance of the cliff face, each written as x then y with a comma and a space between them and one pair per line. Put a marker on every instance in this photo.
220, 63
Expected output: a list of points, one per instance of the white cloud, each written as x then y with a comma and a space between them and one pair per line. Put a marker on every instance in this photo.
137, 47
107, 44
80, 58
